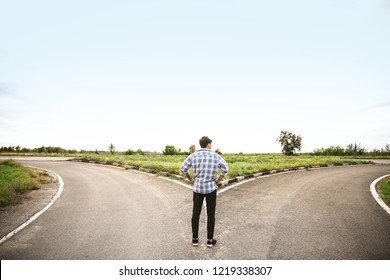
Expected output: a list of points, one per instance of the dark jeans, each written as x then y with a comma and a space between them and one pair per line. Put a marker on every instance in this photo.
211, 200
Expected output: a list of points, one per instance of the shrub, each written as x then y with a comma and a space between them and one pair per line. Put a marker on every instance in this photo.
171, 150
129, 152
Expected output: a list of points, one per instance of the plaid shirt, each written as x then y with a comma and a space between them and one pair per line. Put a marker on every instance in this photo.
205, 164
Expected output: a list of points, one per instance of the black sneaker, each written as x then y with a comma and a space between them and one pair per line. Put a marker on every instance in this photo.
195, 242
211, 242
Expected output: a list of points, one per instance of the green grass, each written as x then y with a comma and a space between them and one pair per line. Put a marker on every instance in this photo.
239, 165
15, 180
385, 190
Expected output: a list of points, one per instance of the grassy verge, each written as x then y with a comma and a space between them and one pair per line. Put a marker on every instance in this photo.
16, 179
239, 165
385, 190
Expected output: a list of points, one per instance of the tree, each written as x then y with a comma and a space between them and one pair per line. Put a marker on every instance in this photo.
192, 149
289, 142
111, 148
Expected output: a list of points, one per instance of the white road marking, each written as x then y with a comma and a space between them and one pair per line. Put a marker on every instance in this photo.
176, 182
376, 195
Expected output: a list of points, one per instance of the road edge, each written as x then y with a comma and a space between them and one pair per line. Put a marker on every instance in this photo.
39, 213
376, 196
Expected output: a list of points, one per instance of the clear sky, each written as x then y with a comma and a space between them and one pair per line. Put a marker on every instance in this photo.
143, 74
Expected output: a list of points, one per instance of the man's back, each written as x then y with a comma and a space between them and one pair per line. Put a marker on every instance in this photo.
205, 164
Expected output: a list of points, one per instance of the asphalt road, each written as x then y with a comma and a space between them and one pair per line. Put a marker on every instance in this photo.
111, 213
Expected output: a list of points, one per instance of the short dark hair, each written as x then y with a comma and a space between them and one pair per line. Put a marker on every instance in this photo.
204, 141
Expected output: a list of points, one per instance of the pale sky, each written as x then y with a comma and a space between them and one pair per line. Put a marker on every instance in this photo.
144, 74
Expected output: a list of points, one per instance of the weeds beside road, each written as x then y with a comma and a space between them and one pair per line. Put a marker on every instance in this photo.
16, 179
384, 188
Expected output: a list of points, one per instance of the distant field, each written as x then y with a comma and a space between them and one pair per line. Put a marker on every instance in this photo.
239, 165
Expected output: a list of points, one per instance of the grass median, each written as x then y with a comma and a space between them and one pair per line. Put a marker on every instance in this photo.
16, 179
239, 165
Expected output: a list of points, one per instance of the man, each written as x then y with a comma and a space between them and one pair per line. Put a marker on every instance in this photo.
205, 164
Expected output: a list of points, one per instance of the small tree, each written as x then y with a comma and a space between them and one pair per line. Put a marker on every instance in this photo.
289, 142
111, 148
218, 151
192, 149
